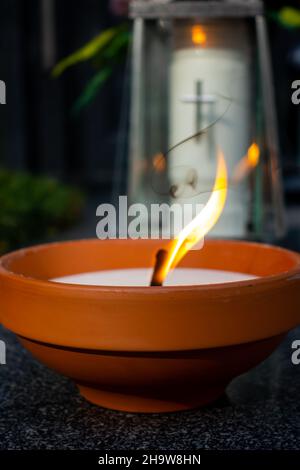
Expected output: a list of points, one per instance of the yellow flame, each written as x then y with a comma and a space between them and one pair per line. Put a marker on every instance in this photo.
253, 155
198, 35
202, 223
247, 163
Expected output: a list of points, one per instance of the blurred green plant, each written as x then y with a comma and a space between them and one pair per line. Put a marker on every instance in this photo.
33, 208
288, 17
103, 52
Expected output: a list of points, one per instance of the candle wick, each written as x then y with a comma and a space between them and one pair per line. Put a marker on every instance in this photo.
157, 278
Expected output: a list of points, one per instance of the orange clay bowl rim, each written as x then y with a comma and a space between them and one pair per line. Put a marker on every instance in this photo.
145, 289
138, 318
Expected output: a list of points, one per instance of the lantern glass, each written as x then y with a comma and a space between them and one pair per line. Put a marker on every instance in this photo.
196, 90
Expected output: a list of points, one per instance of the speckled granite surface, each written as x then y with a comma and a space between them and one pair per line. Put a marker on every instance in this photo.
42, 410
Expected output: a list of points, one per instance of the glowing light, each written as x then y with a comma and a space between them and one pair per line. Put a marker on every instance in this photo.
198, 35
202, 223
247, 163
253, 155
159, 162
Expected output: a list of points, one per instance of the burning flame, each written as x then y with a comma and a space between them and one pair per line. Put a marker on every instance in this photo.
198, 35
253, 155
202, 223
247, 163
207, 218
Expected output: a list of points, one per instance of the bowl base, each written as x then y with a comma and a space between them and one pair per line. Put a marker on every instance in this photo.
141, 404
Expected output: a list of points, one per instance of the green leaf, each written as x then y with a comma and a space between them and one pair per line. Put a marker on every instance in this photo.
119, 43
109, 58
91, 89
113, 51
87, 51
289, 17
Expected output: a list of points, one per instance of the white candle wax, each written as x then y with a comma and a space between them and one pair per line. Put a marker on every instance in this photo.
142, 277
220, 72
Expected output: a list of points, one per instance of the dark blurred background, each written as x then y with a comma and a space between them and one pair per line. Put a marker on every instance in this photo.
39, 134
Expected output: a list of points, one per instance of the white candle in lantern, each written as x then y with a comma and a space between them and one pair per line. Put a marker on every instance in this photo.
207, 81
142, 277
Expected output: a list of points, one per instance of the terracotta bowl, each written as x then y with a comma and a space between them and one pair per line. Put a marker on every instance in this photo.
149, 349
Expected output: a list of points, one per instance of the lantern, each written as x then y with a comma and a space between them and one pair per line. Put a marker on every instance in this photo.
202, 81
